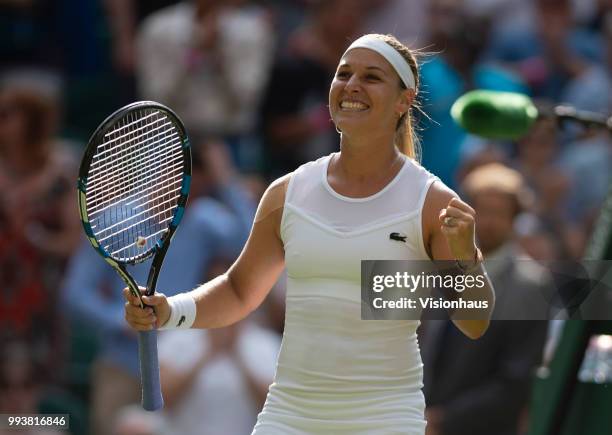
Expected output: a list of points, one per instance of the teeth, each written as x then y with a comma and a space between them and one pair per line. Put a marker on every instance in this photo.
353, 105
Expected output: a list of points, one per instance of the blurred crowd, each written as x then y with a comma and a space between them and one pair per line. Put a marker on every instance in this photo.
250, 79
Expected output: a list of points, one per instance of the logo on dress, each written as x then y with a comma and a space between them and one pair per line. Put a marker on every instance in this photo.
400, 237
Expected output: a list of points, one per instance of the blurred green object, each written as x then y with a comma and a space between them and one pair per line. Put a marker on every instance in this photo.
495, 114
561, 404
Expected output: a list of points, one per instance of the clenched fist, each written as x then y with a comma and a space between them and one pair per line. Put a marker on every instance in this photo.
457, 222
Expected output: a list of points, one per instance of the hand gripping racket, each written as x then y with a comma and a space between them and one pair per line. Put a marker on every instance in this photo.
133, 185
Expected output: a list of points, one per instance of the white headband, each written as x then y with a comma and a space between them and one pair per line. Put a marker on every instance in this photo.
389, 53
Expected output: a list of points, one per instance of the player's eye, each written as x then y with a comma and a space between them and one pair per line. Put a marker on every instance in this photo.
342, 74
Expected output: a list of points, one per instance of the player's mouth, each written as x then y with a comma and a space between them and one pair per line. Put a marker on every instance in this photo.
353, 106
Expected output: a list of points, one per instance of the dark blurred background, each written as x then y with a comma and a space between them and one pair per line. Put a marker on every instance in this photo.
250, 80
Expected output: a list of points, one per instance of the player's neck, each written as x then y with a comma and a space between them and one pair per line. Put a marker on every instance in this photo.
361, 163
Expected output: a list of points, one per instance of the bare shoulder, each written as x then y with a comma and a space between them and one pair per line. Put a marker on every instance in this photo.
273, 198
280, 183
438, 197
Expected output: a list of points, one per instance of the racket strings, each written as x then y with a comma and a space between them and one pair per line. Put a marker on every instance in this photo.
134, 184
121, 148
112, 172
127, 135
142, 216
100, 194
134, 146
155, 188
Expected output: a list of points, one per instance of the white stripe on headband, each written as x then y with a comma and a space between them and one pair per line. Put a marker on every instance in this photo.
389, 53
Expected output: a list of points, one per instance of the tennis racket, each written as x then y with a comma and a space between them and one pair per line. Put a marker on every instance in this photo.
133, 185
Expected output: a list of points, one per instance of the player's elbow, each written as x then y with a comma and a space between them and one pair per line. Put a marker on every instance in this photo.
246, 300
478, 330
473, 329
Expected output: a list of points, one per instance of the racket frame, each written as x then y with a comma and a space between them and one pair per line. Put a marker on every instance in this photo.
147, 340
160, 248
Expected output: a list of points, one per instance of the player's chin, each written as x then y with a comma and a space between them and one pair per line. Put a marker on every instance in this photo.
352, 123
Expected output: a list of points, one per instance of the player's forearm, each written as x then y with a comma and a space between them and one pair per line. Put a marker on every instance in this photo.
219, 304
475, 322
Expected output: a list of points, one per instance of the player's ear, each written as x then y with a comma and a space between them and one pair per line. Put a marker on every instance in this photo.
404, 101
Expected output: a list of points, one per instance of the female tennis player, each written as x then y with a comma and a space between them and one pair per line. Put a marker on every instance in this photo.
337, 373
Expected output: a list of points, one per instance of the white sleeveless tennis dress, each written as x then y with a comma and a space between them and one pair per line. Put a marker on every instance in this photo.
336, 373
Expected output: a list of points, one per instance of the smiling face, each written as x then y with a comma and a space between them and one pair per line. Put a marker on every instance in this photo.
366, 95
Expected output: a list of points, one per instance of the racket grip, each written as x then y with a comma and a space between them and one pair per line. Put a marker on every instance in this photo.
152, 399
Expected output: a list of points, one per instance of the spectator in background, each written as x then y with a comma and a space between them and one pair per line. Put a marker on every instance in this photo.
491, 376
295, 118
446, 76
477, 151
219, 384
538, 161
502, 14
124, 18
405, 19
39, 228
210, 228
21, 386
208, 60
286, 16
27, 34
549, 54
600, 19
539, 241
587, 164
587, 159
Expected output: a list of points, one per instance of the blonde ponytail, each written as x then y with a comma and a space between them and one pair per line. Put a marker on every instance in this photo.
406, 138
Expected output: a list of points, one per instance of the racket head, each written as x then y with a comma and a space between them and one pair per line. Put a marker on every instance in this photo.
134, 182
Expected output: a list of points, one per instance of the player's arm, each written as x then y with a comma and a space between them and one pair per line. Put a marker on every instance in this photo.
233, 295
455, 241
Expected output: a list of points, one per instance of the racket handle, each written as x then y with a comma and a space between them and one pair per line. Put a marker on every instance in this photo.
152, 399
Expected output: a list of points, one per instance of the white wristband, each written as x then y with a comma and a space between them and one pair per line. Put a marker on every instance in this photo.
182, 312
